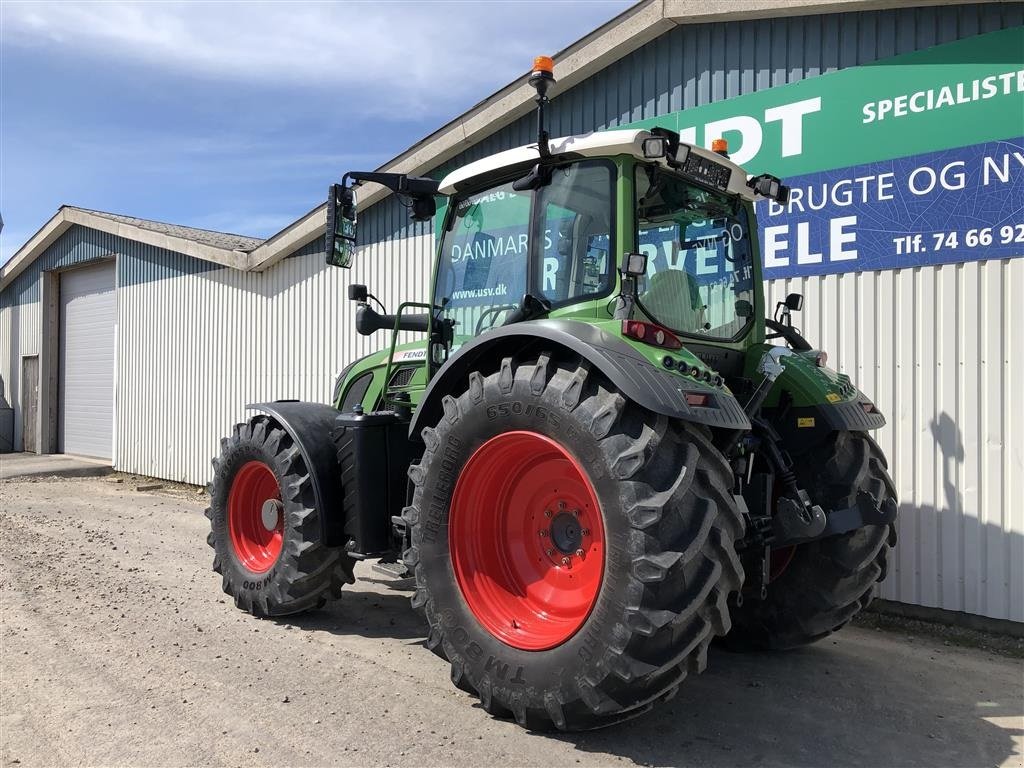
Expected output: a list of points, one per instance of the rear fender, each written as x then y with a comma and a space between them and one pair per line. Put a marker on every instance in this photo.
651, 387
309, 425
808, 402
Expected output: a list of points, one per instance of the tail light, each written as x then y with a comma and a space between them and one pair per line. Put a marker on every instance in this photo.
697, 399
650, 333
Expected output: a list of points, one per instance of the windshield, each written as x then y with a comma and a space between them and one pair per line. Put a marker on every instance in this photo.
493, 252
699, 277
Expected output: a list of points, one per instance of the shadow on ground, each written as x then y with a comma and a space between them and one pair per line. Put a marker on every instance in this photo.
834, 704
366, 614
862, 697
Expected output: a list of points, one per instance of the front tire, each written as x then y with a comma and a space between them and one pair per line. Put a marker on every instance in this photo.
821, 585
651, 560
265, 525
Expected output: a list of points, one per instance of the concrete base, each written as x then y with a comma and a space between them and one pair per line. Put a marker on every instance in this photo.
945, 617
17, 465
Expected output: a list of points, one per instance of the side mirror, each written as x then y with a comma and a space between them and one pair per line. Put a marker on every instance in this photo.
744, 308
634, 264
423, 208
794, 303
341, 226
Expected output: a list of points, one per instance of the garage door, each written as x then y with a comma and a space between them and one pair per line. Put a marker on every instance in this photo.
88, 312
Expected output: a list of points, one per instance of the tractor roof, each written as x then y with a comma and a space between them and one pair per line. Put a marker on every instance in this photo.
597, 144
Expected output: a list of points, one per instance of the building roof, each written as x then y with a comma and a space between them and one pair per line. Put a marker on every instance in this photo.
218, 247
205, 236
627, 32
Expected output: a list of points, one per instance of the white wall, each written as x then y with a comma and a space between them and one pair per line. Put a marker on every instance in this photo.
194, 349
941, 350
20, 336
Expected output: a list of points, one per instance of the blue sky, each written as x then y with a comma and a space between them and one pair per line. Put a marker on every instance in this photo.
237, 116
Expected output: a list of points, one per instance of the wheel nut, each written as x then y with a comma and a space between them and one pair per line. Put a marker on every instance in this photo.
542, 533
548, 513
566, 561
577, 512
585, 532
550, 552
561, 505
579, 553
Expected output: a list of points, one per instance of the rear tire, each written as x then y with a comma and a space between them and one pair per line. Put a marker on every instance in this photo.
662, 532
825, 583
265, 527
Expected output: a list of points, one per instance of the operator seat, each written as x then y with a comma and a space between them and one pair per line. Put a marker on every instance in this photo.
673, 297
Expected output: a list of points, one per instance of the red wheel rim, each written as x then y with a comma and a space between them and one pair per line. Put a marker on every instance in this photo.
526, 540
256, 516
780, 560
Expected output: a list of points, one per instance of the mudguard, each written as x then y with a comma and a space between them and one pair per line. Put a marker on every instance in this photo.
810, 401
310, 426
654, 388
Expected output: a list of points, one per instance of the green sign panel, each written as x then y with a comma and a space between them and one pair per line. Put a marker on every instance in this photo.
962, 93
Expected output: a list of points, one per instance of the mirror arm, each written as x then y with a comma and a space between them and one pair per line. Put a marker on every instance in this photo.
790, 334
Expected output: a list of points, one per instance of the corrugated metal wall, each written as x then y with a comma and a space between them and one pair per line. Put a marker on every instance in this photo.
935, 346
193, 350
939, 349
20, 307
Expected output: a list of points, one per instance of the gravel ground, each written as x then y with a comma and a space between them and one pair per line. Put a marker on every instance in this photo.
117, 647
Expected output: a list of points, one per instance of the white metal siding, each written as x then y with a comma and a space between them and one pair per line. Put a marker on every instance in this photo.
939, 350
88, 312
19, 336
194, 349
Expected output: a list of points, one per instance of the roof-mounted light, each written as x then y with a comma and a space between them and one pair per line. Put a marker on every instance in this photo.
721, 146
541, 79
544, 64
769, 186
655, 147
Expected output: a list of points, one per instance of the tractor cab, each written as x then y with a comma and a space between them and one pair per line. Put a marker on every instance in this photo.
633, 230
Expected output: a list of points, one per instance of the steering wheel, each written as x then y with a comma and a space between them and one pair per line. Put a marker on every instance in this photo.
492, 311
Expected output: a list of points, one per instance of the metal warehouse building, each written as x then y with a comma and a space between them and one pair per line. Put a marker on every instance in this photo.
899, 124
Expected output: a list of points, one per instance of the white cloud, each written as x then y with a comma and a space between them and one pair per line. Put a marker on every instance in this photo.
422, 57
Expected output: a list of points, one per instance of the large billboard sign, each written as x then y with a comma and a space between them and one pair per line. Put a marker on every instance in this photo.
909, 161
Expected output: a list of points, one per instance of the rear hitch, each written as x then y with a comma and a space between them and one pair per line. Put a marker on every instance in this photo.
789, 527
796, 521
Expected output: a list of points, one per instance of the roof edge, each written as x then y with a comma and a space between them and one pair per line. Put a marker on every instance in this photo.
67, 216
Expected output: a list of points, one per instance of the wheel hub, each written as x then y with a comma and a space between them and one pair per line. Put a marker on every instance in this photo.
271, 514
255, 519
526, 540
566, 532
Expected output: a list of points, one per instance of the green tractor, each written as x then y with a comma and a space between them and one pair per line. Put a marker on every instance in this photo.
594, 460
